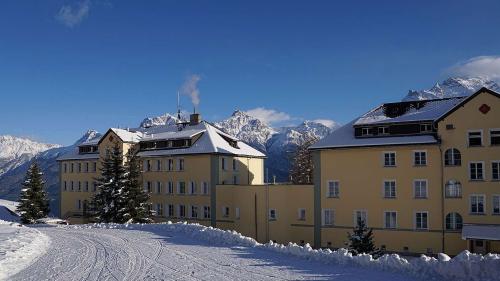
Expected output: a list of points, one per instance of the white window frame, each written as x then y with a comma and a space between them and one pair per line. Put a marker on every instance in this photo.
395, 189
336, 189
225, 211
355, 216
365, 131
205, 186
181, 167
170, 187
206, 212
191, 215
395, 158
491, 135
323, 217
484, 204
192, 188
159, 187
415, 220
384, 130
159, 209
414, 158
237, 213
483, 168
301, 214
235, 164
170, 210
179, 187
395, 221
181, 207
475, 131
170, 164
415, 181
497, 162
223, 163
495, 197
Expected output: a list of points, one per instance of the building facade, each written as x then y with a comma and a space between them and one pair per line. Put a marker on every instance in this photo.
425, 175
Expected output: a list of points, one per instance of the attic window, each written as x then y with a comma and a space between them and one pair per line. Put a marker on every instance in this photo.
88, 149
425, 128
393, 110
231, 142
383, 130
366, 131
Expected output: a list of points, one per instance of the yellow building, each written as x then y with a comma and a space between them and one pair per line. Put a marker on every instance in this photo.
423, 174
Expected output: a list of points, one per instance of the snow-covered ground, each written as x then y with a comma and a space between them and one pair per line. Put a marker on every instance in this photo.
193, 252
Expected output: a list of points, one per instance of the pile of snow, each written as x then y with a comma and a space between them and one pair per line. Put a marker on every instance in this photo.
8, 210
465, 266
19, 247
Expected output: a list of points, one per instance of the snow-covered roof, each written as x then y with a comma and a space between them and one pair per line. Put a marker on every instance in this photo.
483, 232
344, 137
428, 110
128, 135
211, 141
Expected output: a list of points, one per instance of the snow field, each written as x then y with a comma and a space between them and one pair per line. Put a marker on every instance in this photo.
465, 266
19, 247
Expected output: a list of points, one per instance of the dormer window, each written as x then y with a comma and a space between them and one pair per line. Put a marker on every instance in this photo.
365, 131
383, 130
425, 128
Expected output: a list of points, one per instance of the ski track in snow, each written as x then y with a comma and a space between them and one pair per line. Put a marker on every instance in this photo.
118, 254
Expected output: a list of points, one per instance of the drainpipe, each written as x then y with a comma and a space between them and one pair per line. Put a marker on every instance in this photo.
442, 196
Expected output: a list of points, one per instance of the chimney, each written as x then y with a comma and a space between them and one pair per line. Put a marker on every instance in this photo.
194, 119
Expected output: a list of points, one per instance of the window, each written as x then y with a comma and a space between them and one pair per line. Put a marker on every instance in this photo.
158, 187
420, 158
194, 211
301, 214
182, 211
453, 221
272, 214
327, 218
94, 186
72, 186
147, 165
158, 165
236, 179
389, 159
72, 168
86, 167
495, 137
237, 213
360, 215
333, 189
159, 209
495, 170
235, 165
170, 165
383, 130
225, 212
65, 186
181, 187
390, 219
65, 168
79, 167
477, 204
86, 186
420, 188
180, 164
390, 189
205, 188
496, 204
425, 128
475, 138
206, 212
365, 131
421, 220
79, 204
476, 171
192, 188
452, 157
79, 186
453, 189
223, 163
170, 210
94, 167
170, 188
148, 187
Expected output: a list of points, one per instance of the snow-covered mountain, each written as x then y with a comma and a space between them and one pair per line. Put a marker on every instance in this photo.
15, 151
453, 87
165, 119
10, 181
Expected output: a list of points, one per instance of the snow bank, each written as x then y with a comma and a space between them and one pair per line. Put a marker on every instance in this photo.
465, 266
19, 247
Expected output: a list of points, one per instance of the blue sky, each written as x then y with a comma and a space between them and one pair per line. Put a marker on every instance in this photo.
68, 66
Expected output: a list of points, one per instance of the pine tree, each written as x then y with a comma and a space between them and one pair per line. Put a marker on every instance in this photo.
361, 240
301, 171
134, 199
106, 202
34, 203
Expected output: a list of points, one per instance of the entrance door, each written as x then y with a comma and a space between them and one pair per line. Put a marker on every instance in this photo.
479, 246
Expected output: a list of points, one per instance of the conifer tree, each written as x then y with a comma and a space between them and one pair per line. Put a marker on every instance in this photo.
301, 171
361, 240
134, 205
34, 203
106, 202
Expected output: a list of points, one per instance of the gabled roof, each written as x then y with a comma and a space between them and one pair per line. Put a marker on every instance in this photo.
418, 111
130, 136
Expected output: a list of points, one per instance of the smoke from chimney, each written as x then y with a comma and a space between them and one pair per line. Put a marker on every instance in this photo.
190, 89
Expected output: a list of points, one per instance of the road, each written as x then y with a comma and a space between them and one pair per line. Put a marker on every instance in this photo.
124, 254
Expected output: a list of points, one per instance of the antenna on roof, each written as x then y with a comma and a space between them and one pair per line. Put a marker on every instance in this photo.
178, 107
